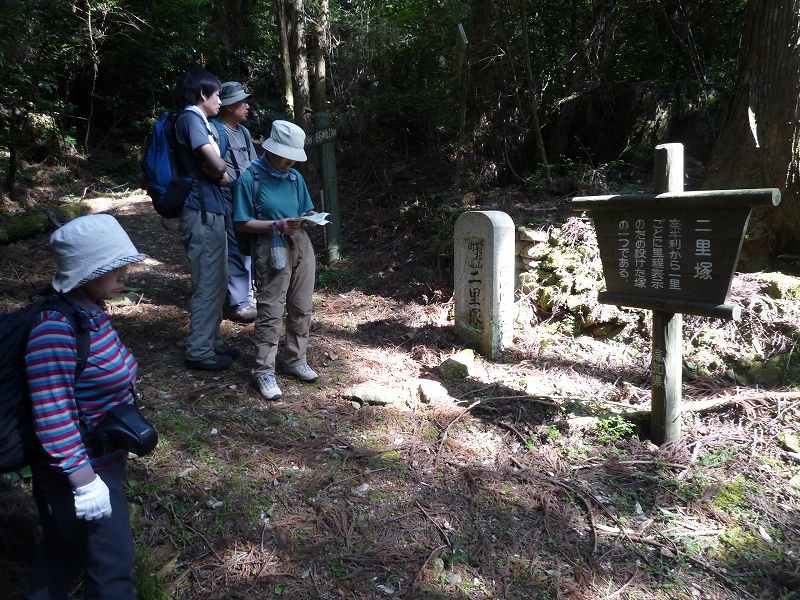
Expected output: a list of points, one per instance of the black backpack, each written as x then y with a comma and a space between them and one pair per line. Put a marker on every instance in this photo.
18, 444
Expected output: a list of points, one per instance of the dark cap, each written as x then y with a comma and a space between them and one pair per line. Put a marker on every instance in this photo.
232, 92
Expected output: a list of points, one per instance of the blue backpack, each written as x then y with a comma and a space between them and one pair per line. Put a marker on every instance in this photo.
18, 443
166, 188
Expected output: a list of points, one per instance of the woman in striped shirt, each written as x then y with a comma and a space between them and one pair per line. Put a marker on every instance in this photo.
79, 488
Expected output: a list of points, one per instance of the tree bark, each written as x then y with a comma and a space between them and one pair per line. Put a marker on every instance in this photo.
759, 145
536, 129
286, 60
231, 17
302, 94
321, 47
95, 65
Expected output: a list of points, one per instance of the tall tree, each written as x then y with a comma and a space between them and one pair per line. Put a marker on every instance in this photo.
229, 20
101, 19
299, 55
533, 91
321, 46
284, 29
759, 145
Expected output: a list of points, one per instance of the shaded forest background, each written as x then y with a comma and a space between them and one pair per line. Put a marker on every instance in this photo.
475, 93
608, 78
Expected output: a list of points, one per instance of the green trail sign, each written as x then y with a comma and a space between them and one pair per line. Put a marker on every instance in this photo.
673, 252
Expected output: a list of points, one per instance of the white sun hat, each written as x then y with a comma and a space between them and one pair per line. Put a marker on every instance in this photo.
286, 140
89, 247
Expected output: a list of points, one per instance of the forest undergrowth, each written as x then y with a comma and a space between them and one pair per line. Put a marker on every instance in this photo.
529, 478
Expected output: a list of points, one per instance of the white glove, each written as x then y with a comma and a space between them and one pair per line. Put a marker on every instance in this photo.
92, 500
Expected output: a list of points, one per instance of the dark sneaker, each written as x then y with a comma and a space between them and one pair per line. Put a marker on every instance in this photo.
220, 362
244, 314
302, 372
268, 386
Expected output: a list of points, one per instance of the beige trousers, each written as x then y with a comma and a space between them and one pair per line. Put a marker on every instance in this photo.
286, 291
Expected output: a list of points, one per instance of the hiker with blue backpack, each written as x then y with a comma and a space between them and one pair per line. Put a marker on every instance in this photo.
203, 221
80, 379
236, 147
269, 200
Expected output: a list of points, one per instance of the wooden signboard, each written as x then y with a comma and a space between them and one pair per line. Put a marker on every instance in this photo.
673, 252
321, 136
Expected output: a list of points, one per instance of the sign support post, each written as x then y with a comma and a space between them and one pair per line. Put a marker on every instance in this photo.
667, 355
325, 137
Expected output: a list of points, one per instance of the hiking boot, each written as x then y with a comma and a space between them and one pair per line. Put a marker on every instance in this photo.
220, 362
268, 386
228, 351
302, 372
244, 314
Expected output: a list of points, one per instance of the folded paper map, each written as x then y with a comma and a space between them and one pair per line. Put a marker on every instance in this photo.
317, 218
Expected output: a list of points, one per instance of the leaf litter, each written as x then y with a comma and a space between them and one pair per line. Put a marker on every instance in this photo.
488, 492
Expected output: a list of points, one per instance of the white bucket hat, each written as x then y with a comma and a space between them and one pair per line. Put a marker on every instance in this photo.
89, 247
286, 140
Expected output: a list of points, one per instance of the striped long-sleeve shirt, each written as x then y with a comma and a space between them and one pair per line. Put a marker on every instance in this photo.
58, 399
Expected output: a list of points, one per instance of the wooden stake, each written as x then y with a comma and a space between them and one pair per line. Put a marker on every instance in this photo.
329, 183
665, 366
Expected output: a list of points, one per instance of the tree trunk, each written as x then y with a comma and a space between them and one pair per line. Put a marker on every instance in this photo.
321, 48
478, 79
95, 58
286, 60
230, 18
759, 145
541, 153
302, 94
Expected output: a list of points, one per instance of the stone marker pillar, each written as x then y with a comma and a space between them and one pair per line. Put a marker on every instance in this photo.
484, 280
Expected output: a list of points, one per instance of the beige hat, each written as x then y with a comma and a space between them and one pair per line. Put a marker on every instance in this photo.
89, 247
286, 140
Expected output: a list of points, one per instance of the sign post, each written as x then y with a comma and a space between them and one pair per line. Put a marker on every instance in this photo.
666, 359
325, 138
673, 252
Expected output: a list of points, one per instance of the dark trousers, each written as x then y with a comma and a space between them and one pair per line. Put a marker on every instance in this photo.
102, 550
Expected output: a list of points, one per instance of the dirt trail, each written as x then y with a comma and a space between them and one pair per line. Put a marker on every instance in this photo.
322, 497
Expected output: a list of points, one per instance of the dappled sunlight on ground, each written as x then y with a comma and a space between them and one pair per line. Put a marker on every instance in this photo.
496, 490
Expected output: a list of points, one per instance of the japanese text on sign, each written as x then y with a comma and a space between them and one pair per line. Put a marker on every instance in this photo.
675, 237
623, 250
703, 265
474, 265
640, 254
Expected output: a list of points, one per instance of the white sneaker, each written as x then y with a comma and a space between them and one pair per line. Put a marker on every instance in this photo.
302, 371
268, 386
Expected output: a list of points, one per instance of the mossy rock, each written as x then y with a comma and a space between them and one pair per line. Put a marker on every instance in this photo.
770, 372
26, 225
528, 282
545, 299
559, 281
704, 363
780, 286
713, 339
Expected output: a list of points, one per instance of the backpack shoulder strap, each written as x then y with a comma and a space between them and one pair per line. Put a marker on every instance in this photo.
248, 139
256, 189
79, 323
297, 180
221, 137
